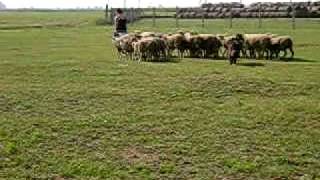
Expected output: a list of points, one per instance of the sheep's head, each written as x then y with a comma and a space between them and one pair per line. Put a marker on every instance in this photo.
240, 37
137, 32
181, 32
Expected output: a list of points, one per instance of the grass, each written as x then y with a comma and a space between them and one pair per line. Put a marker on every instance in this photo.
69, 109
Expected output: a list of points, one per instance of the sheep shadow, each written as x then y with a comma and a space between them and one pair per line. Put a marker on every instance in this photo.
251, 64
295, 60
170, 60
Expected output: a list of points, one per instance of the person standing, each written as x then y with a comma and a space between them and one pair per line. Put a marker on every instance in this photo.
120, 23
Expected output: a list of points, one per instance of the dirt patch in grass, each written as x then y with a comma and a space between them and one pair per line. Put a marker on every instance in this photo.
137, 155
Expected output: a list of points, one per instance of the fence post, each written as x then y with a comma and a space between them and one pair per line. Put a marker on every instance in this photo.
154, 17
293, 8
132, 15
107, 12
230, 9
139, 13
112, 16
202, 18
259, 14
177, 18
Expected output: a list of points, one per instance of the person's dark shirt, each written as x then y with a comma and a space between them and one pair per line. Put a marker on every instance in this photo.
121, 24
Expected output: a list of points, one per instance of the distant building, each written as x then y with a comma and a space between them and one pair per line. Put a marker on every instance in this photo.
2, 6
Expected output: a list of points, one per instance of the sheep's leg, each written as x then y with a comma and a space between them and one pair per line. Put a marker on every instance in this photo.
272, 53
169, 53
188, 53
292, 52
285, 53
127, 56
278, 54
257, 54
179, 54
140, 56
165, 55
119, 55
192, 53
224, 53
244, 53
260, 54
267, 54
252, 53
135, 55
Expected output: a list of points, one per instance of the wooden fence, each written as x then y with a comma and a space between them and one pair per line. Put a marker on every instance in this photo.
134, 14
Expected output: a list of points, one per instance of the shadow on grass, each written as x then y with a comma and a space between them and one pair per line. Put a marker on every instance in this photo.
295, 60
158, 61
251, 64
38, 26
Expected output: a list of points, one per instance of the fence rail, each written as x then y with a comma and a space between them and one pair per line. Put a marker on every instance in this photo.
229, 11
132, 14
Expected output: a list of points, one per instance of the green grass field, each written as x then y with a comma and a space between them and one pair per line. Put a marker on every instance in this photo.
70, 109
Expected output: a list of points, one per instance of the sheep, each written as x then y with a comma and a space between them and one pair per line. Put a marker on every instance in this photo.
281, 43
169, 43
274, 48
139, 49
143, 48
147, 34
257, 43
124, 45
177, 42
153, 48
160, 51
158, 46
210, 45
193, 44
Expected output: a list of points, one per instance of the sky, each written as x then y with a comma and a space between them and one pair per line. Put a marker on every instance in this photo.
113, 3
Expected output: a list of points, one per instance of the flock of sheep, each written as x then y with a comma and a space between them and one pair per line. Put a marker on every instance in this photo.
151, 46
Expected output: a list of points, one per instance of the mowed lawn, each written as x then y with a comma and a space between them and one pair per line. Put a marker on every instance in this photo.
69, 109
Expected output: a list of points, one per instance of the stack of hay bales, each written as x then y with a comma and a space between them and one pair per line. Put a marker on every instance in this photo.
315, 9
238, 10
